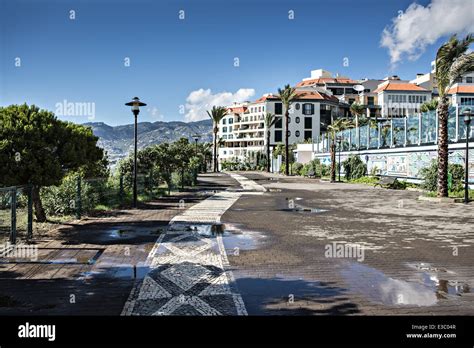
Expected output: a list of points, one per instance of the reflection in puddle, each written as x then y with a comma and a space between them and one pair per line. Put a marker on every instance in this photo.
121, 233
122, 271
382, 289
232, 235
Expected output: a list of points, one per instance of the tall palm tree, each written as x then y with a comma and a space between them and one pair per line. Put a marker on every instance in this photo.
335, 127
270, 120
357, 110
451, 63
287, 94
217, 114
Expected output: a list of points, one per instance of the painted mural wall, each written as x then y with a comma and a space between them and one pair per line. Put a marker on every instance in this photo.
407, 164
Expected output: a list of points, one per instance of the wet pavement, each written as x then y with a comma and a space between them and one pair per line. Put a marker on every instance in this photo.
415, 257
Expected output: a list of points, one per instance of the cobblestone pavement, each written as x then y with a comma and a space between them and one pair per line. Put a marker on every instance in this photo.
189, 266
337, 249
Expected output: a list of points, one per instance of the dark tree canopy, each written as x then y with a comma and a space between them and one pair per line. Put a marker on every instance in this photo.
37, 148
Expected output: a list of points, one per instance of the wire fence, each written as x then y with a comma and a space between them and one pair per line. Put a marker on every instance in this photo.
72, 199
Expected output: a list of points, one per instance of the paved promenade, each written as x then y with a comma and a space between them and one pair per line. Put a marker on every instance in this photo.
189, 267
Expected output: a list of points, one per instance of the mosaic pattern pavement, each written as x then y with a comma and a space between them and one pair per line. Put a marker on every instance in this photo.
189, 271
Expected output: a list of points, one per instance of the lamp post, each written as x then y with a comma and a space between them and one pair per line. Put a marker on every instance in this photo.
339, 140
467, 120
196, 138
135, 104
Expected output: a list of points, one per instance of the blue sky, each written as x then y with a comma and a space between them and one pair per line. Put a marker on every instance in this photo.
82, 60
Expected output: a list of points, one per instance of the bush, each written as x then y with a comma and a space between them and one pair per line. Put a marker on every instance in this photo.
61, 200
370, 180
354, 167
430, 176
296, 168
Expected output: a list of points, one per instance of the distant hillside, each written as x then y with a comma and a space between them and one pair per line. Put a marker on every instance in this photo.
118, 140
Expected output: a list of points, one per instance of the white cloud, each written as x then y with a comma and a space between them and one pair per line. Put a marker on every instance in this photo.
419, 26
155, 113
201, 100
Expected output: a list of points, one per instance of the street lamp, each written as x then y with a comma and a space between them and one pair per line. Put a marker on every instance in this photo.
467, 120
339, 140
135, 104
196, 138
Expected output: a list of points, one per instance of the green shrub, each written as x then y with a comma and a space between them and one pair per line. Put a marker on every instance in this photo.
371, 180
296, 168
430, 176
354, 167
61, 200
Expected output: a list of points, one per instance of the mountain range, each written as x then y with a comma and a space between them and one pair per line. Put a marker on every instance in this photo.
118, 140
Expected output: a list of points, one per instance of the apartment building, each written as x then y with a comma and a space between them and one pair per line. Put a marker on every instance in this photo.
243, 130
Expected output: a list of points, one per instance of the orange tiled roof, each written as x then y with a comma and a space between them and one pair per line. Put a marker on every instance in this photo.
461, 89
323, 80
237, 109
394, 86
302, 95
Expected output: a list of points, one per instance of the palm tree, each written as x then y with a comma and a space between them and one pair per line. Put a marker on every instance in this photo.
337, 126
287, 94
451, 63
270, 120
357, 110
217, 114
429, 105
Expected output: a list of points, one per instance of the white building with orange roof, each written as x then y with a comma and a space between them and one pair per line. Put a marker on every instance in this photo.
398, 98
243, 130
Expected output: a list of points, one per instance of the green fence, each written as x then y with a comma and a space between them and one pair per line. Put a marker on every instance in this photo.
74, 198
16, 213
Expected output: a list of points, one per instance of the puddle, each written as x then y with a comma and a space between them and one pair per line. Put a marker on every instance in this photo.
426, 290
122, 271
233, 236
302, 209
57, 256
120, 233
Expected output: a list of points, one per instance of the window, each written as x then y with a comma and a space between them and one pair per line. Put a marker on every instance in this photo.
297, 119
289, 119
308, 122
278, 122
308, 109
297, 106
467, 101
224, 129
289, 133
278, 136
337, 91
351, 101
231, 120
259, 109
308, 135
370, 100
224, 121
350, 91
297, 133
278, 108
230, 128
459, 79
469, 79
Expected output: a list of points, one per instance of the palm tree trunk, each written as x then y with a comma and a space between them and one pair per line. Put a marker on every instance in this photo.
443, 114
215, 149
287, 150
39, 210
268, 152
333, 161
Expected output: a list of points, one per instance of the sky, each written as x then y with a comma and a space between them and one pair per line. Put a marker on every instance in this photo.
98, 54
